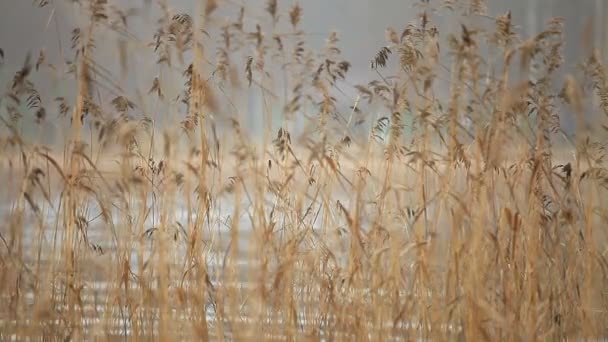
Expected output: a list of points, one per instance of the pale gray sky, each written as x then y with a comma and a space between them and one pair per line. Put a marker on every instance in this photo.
361, 24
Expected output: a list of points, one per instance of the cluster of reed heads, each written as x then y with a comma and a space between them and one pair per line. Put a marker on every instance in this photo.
441, 200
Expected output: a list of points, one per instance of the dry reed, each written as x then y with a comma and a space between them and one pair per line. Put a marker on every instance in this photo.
442, 201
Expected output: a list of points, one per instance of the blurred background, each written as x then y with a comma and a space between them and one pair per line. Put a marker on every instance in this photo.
361, 25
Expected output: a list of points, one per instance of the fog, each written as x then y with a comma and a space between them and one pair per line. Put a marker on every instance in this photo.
361, 25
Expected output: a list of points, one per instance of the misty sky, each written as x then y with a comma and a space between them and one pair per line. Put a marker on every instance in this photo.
361, 24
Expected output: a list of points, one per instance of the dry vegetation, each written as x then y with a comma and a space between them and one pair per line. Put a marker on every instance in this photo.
444, 201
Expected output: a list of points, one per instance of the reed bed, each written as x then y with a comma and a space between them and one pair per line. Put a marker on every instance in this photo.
441, 200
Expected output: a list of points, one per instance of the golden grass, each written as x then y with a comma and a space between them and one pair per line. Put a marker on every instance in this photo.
467, 216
